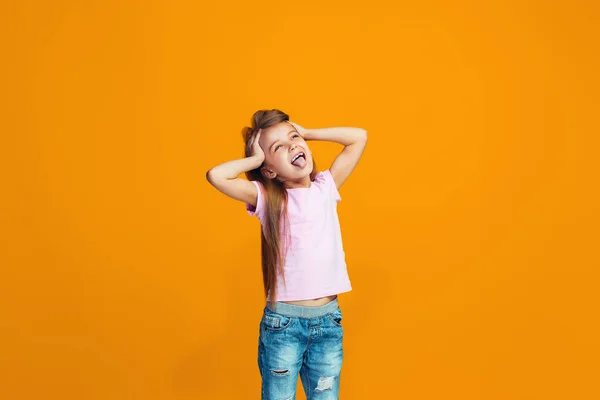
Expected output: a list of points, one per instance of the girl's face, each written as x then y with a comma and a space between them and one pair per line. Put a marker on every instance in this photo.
287, 156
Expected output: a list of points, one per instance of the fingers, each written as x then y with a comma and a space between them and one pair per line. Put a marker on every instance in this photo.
255, 137
296, 126
256, 149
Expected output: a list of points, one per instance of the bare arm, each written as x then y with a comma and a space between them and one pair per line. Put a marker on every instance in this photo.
224, 177
354, 141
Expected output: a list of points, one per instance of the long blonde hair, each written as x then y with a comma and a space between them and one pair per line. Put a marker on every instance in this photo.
273, 248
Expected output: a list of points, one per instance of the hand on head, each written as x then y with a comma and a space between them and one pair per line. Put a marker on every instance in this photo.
299, 128
256, 149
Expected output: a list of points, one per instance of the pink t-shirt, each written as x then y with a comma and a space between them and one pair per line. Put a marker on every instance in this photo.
315, 265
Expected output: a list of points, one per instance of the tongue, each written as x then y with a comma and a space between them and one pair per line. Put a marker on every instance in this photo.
300, 162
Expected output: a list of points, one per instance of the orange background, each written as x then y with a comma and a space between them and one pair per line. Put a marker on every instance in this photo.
470, 225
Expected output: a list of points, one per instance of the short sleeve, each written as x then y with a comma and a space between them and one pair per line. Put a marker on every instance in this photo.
327, 179
258, 210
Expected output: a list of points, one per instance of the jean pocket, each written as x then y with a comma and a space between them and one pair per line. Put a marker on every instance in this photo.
336, 317
272, 321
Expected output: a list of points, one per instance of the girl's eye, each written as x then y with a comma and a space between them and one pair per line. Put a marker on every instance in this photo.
295, 135
278, 146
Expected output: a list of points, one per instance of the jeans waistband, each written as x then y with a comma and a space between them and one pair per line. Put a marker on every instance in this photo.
292, 310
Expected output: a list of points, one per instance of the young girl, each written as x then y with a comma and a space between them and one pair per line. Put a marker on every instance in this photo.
302, 254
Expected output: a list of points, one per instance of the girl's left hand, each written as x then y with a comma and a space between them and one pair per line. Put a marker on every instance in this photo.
300, 129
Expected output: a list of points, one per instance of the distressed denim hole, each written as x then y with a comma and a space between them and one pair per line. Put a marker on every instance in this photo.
280, 372
325, 383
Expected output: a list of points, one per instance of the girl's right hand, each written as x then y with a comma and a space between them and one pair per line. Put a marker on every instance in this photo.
256, 149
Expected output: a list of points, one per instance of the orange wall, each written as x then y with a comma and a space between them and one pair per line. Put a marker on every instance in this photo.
470, 224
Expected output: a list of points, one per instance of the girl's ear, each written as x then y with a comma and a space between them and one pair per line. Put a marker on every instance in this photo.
268, 173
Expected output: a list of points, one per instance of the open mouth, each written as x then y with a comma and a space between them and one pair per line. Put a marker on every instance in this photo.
299, 160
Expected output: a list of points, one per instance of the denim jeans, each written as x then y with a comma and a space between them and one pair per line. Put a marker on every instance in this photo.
300, 340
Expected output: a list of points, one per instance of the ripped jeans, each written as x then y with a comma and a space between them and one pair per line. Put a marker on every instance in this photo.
300, 340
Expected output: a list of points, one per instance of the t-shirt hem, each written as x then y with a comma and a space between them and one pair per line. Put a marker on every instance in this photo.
318, 295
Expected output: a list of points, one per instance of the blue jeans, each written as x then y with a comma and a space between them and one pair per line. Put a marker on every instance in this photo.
300, 340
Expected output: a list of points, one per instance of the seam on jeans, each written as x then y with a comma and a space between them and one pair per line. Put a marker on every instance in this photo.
334, 321
309, 389
281, 328
276, 315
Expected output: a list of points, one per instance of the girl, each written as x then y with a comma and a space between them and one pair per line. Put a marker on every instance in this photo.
302, 254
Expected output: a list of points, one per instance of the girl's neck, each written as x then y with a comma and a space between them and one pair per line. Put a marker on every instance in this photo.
304, 183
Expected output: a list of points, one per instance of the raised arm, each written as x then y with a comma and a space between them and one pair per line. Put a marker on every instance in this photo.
354, 141
224, 177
